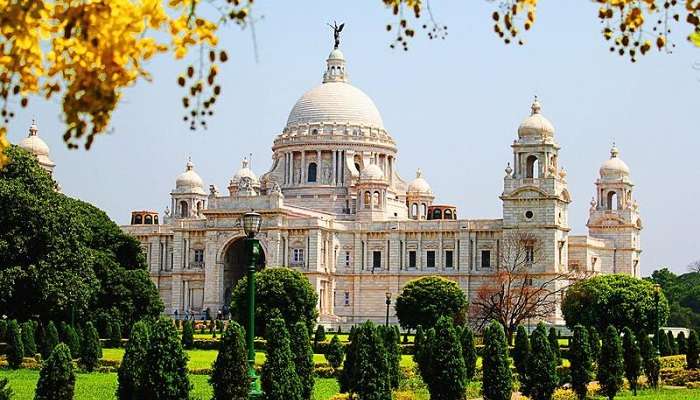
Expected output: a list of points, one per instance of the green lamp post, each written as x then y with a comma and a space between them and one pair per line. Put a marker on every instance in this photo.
251, 226
657, 292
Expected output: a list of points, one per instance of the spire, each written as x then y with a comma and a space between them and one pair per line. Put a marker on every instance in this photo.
335, 68
535, 107
419, 173
244, 163
190, 165
33, 130
614, 151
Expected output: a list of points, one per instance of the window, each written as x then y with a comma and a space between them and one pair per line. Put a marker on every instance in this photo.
368, 200
375, 199
430, 259
199, 256
148, 220
414, 210
529, 254
184, 209
347, 258
297, 256
437, 213
424, 210
528, 214
612, 201
412, 259
449, 261
311, 176
485, 259
533, 167
346, 299
528, 281
138, 220
448, 214
376, 260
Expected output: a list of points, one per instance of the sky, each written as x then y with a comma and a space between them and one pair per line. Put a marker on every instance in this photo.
453, 106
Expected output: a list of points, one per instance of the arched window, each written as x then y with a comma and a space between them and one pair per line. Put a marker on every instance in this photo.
437, 213
414, 210
612, 200
368, 199
532, 167
155, 220
375, 199
138, 219
148, 220
424, 210
199, 207
184, 209
312, 172
448, 214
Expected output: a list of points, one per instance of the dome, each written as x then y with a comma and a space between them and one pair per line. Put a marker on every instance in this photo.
372, 172
614, 168
419, 185
536, 125
189, 181
35, 145
336, 54
245, 172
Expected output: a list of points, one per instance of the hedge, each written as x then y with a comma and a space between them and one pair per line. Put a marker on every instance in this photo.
679, 376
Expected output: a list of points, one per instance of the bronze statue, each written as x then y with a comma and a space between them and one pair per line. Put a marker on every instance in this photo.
336, 33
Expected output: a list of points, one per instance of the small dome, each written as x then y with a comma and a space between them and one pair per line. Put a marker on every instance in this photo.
189, 181
419, 185
336, 54
245, 172
614, 168
372, 172
536, 125
35, 145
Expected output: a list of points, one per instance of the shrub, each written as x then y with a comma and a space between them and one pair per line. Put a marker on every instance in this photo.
15, 349
650, 360
679, 376
347, 376
564, 394
130, 376
682, 343
521, 350
49, 339
319, 335
393, 354
632, 358
693, 350
664, 345
229, 376
672, 361
594, 343
90, 350
187, 335
424, 300
5, 389
3, 330
581, 362
72, 340
303, 356
444, 373
165, 367
116, 337
497, 380
672, 343
56, 379
28, 339
417, 342
334, 353
610, 364
370, 380
279, 377
468, 352
554, 344
541, 375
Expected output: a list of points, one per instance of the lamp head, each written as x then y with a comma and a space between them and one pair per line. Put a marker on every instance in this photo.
388, 296
251, 223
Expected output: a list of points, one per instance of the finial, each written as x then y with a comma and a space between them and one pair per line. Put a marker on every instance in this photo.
190, 165
33, 130
244, 163
336, 33
419, 173
614, 151
535, 107
509, 170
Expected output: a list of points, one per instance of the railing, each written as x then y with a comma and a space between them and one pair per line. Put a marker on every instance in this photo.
196, 265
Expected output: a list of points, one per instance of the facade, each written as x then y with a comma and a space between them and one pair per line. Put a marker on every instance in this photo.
335, 208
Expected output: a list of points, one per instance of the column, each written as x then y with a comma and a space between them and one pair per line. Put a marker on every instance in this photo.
334, 167
319, 168
302, 173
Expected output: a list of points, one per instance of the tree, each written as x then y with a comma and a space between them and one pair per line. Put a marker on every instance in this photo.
72, 339
49, 340
390, 336
650, 360
28, 339
90, 349
130, 376
280, 380
632, 358
347, 376
417, 342
319, 335
229, 377
116, 337
594, 343
692, 351
468, 352
303, 356
165, 368
334, 353
370, 379
672, 345
187, 334
617, 299
554, 343
682, 343
542, 376
498, 381
283, 289
515, 294
56, 379
581, 362
444, 371
610, 364
424, 300
15, 349
521, 351
664, 345
682, 293
6, 392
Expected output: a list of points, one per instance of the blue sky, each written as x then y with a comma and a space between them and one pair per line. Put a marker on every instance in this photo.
453, 106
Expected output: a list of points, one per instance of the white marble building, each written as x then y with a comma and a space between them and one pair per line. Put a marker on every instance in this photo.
335, 208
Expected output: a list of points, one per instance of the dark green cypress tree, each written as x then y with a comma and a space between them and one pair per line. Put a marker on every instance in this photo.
165, 370
682, 343
28, 339
6, 392
130, 376
581, 362
650, 359
423, 355
15, 346
521, 351
319, 335
468, 352
56, 379
632, 358
417, 340
107, 332
334, 353
347, 376
303, 358
229, 376
542, 376
50, 340
610, 363
279, 377
664, 345
672, 343
187, 334
594, 343
446, 363
116, 337
371, 379
393, 353
72, 340
554, 344
692, 350
90, 349
498, 380
3, 330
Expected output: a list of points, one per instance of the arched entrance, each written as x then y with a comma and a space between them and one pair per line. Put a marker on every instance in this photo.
235, 266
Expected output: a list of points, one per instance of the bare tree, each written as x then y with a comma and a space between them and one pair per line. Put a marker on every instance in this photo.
694, 266
515, 293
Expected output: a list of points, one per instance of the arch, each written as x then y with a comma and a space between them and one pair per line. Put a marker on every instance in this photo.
235, 263
612, 200
155, 220
437, 213
376, 199
311, 173
414, 210
184, 209
199, 207
367, 199
448, 214
532, 167
424, 210
138, 219
148, 220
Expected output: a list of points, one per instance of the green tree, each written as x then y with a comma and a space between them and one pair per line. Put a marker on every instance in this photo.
282, 289
28, 339
116, 337
468, 352
6, 392
650, 359
610, 364
90, 349
15, 346
672, 343
49, 340
393, 354
692, 350
56, 379
632, 358
303, 356
498, 380
280, 380
319, 335
581, 362
3, 330
554, 343
664, 345
682, 343
445, 370
521, 351
130, 376
682, 292
165, 369
616, 299
335, 353
542, 376
187, 334
417, 342
347, 376
370, 380
424, 300
72, 339
229, 376
594, 343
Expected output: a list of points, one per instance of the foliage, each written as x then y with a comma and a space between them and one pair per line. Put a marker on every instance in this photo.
424, 300
49, 339
682, 343
15, 346
187, 334
497, 381
319, 335
672, 343
418, 342
618, 300
683, 294
632, 358
165, 367
391, 338
282, 289
90, 349
554, 344
57, 379
130, 375
650, 359
468, 352
369, 380
6, 392
693, 350
347, 375
229, 377
116, 334
334, 353
610, 364
73, 341
594, 343
443, 370
541, 375
280, 380
3, 330
664, 345
521, 351
303, 357
581, 362
28, 339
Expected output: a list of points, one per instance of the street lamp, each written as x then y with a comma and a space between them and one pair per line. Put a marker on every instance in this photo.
251, 226
657, 293
388, 303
